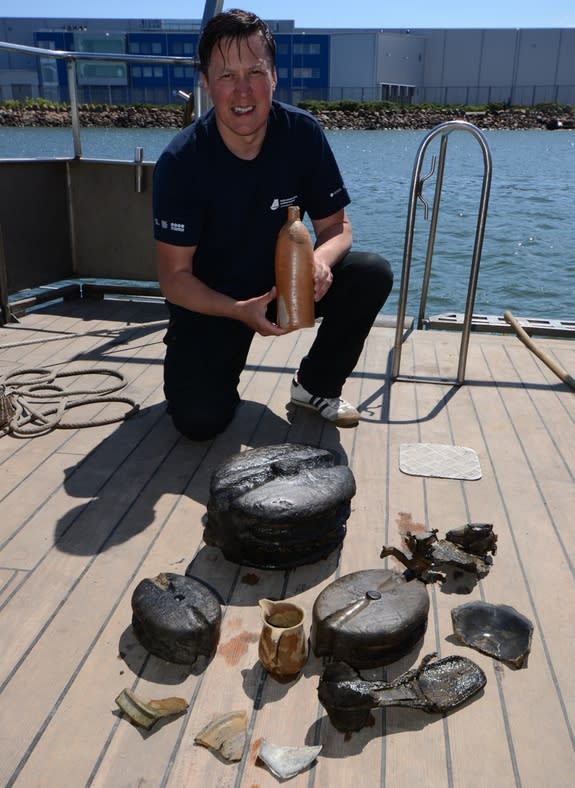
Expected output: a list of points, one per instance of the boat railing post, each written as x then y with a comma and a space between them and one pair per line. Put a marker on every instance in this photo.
74, 111
138, 161
5, 313
416, 193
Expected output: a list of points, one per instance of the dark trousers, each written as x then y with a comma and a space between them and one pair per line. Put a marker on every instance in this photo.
205, 355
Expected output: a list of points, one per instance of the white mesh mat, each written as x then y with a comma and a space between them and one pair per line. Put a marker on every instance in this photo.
441, 460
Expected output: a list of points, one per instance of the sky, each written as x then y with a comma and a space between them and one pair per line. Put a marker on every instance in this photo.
322, 13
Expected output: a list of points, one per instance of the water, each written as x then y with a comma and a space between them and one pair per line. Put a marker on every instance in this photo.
528, 259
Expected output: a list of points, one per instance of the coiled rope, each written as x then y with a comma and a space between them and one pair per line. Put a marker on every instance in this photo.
33, 403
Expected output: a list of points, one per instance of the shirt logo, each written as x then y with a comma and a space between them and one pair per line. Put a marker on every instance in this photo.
176, 227
282, 202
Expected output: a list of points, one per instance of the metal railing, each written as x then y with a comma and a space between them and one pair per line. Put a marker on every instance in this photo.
72, 59
416, 193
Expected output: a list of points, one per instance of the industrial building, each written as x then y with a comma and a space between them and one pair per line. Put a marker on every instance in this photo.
409, 66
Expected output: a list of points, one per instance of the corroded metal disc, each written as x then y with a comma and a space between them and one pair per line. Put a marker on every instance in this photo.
369, 618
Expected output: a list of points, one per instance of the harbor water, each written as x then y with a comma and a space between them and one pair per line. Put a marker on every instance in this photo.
528, 258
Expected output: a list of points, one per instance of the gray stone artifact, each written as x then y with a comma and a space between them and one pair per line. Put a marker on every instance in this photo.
176, 618
279, 506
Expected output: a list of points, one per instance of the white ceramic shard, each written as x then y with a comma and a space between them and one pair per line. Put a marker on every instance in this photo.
286, 762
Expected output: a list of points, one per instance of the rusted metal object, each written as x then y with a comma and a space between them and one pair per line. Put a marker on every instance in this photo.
435, 686
465, 549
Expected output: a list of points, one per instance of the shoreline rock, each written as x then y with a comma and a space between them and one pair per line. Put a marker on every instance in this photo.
415, 118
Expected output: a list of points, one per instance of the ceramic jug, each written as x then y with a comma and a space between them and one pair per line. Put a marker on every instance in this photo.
283, 644
294, 273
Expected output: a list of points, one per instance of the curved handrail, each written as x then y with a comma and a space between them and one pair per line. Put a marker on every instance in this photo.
443, 129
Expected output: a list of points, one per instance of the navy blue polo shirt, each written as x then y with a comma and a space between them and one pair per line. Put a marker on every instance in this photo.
233, 209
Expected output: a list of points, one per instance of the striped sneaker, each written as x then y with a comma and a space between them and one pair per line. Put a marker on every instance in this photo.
334, 409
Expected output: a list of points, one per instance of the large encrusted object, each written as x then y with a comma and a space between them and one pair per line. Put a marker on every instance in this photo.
369, 618
176, 618
435, 686
279, 506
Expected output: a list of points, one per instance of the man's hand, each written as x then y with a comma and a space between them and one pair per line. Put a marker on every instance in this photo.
253, 313
322, 279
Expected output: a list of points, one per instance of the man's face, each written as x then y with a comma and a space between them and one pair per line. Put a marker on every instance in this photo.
240, 82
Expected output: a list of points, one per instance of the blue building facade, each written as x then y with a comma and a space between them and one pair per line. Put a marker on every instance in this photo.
415, 66
303, 65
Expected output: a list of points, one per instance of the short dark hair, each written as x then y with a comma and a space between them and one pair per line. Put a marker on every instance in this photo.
236, 25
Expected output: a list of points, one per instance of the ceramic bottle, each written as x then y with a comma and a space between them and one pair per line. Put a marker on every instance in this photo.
294, 273
283, 644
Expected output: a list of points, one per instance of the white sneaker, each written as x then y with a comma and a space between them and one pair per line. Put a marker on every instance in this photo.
334, 409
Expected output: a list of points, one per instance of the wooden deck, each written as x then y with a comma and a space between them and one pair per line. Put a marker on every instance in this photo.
87, 513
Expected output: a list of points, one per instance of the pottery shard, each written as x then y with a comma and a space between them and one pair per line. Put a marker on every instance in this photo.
176, 618
279, 506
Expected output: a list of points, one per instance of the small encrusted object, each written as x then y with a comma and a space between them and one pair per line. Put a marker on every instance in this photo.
369, 618
279, 506
435, 686
464, 549
496, 630
176, 618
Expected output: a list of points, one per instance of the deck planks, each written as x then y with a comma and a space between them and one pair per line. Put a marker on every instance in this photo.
89, 512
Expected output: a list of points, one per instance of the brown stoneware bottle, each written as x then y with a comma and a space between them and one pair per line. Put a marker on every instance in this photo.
294, 273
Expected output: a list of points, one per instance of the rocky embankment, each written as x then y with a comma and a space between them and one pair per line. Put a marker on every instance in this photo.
401, 118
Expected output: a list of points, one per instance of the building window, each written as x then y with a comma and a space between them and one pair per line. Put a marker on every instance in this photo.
135, 47
156, 48
183, 72
306, 73
306, 49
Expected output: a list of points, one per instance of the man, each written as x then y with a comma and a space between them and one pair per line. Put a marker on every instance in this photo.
221, 192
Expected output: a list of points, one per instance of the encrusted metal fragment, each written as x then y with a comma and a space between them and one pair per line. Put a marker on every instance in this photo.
434, 686
465, 549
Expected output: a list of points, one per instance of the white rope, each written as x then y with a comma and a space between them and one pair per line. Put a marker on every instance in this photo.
33, 403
